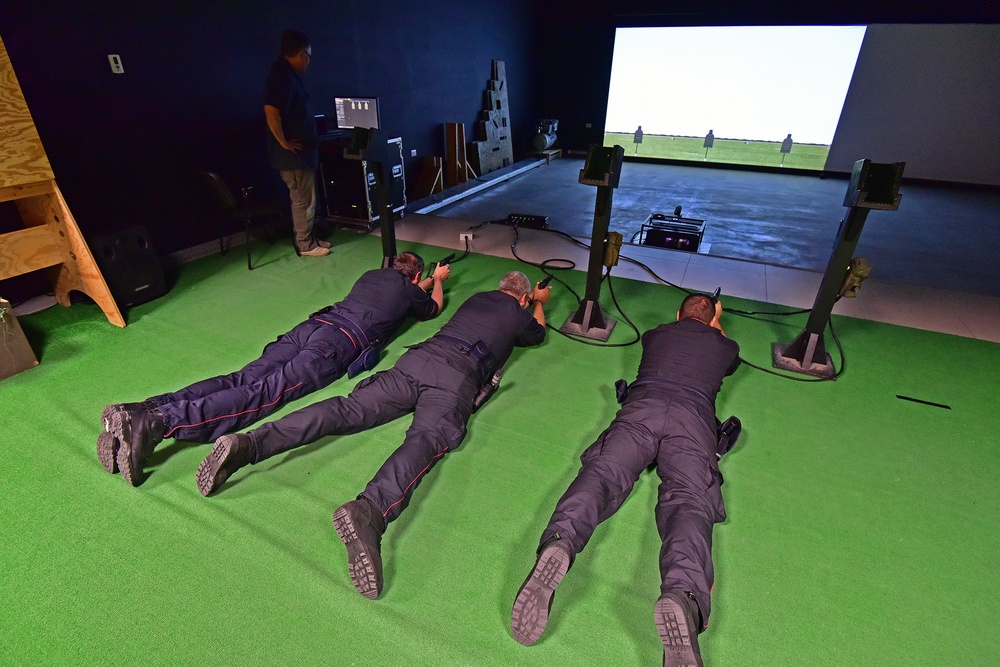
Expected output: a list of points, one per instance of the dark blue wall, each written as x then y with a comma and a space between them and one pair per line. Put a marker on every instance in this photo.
124, 147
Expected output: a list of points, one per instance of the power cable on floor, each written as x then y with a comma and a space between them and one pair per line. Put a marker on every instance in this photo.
569, 264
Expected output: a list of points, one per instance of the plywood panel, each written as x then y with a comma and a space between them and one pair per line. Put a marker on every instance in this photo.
22, 158
52, 238
79, 271
29, 250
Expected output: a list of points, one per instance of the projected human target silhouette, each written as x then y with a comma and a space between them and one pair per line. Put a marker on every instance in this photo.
786, 148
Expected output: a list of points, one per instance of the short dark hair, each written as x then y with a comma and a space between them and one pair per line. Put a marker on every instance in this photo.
410, 263
697, 307
293, 41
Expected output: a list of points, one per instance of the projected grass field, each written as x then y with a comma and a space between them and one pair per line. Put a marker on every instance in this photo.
730, 151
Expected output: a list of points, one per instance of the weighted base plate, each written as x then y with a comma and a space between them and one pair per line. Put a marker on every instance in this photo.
779, 360
596, 333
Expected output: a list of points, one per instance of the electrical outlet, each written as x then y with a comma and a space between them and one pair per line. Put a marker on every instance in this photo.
413, 152
466, 236
116, 63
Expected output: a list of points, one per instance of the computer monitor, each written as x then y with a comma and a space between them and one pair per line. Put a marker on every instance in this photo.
356, 112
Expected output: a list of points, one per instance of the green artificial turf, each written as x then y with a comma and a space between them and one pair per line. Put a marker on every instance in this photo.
861, 530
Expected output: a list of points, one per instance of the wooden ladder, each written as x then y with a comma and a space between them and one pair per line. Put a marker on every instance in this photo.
51, 238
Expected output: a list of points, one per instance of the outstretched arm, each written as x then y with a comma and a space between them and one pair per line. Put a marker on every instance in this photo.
539, 297
436, 284
718, 314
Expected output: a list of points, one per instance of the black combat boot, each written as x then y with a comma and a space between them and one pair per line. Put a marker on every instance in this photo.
534, 600
229, 454
360, 525
677, 622
107, 443
138, 431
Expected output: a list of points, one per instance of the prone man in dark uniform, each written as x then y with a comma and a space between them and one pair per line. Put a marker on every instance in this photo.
343, 338
437, 380
667, 418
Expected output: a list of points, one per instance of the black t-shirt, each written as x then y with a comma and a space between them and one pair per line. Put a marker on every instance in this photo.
381, 299
690, 353
497, 319
286, 92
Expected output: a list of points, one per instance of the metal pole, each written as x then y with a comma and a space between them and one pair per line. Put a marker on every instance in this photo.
872, 186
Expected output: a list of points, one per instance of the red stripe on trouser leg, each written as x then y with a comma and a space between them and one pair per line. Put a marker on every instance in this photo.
410, 485
169, 434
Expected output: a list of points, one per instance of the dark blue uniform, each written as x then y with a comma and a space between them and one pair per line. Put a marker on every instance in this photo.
307, 358
286, 92
436, 380
668, 418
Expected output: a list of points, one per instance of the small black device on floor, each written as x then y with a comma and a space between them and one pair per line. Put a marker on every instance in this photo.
673, 232
527, 221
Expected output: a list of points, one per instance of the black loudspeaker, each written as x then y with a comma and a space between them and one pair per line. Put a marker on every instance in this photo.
130, 266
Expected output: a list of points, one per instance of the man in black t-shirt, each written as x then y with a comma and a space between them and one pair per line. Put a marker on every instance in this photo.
301, 361
292, 146
668, 419
436, 380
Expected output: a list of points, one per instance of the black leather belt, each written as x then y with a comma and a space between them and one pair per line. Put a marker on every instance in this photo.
660, 380
355, 331
478, 350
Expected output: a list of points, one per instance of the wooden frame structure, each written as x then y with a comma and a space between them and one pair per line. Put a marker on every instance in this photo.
457, 169
51, 239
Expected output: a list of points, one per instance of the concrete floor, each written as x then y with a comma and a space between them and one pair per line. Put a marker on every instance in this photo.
769, 237
941, 237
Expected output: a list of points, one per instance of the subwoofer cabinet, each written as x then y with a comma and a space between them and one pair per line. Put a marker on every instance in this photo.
130, 266
349, 185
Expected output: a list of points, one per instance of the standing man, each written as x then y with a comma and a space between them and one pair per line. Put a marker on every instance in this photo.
292, 146
343, 338
667, 418
437, 380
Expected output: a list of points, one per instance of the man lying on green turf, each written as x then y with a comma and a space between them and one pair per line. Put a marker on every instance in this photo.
343, 338
441, 381
668, 419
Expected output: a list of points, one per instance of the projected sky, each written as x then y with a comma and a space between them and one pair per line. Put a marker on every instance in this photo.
754, 83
